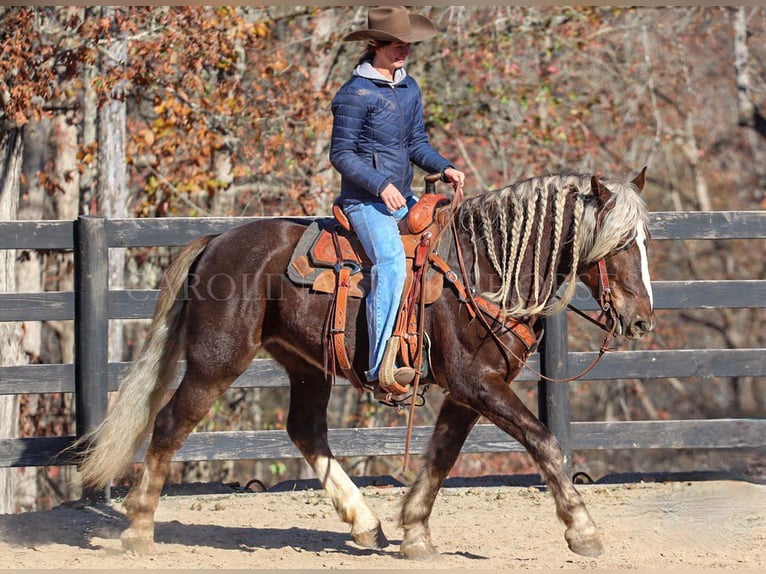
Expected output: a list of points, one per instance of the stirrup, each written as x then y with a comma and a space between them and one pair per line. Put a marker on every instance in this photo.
391, 378
399, 401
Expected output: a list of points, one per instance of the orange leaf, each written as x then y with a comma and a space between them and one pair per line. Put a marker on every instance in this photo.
147, 135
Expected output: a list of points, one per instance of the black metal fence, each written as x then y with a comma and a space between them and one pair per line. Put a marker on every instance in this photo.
92, 376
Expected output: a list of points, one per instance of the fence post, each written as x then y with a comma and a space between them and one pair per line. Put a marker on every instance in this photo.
552, 397
91, 326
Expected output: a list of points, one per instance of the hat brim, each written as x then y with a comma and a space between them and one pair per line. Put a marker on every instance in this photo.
421, 28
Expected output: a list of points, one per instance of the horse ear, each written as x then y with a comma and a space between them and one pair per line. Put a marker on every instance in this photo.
640, 180
599, 190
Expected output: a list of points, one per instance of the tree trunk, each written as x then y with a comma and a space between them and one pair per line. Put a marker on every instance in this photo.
224, 200
745, 107
112, 194
89, 109
11, 353
29, 279
323, 180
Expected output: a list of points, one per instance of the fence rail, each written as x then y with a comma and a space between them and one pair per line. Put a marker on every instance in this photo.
91, 305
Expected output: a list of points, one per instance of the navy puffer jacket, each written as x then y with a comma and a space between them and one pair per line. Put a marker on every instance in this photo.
378, 133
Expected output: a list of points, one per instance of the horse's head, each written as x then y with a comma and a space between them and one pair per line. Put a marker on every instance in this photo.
626, 291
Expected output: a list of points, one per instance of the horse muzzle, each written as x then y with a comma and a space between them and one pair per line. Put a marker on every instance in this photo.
635, 328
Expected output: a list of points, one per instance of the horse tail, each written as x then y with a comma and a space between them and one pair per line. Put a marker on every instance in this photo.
112, 446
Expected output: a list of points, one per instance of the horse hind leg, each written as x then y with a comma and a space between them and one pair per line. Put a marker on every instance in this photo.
307, 428
191, 402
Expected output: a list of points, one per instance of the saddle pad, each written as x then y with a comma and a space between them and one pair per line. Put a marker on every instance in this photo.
307, 262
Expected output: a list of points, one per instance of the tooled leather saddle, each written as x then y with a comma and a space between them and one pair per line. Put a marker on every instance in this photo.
314, 260
329, 258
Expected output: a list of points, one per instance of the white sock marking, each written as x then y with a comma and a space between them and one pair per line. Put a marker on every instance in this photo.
346, 497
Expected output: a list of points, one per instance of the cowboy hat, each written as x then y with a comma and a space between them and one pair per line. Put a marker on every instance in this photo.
389, 23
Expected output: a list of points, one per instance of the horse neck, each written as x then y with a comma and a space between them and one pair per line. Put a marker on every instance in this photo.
520, 267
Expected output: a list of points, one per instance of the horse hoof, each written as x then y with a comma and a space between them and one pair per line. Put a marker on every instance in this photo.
589, 546
420, 550
371, 539
137, 544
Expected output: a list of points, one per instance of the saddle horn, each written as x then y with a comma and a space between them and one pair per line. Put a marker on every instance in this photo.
431, 180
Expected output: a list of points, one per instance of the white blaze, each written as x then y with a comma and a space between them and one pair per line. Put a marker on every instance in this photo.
641, 242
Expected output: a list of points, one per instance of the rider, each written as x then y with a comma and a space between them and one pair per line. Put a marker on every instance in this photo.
378, 132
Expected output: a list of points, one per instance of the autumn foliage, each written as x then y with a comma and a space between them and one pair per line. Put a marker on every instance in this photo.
235, 101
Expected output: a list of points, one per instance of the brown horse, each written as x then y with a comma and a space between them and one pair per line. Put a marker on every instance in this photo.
518, 246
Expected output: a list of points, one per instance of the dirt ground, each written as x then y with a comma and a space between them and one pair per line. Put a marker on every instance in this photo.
692, 524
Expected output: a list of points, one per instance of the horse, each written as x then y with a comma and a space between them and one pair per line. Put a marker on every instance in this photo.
516, 248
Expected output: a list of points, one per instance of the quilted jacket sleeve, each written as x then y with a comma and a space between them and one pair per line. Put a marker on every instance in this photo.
350, 111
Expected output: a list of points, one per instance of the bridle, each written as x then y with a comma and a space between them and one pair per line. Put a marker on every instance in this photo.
605, 300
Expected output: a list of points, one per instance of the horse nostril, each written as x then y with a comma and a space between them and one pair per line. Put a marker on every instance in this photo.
642, 326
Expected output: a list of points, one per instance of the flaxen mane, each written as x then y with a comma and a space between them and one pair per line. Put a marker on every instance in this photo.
509, 225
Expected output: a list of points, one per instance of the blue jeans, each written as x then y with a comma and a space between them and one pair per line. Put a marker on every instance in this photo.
378, 232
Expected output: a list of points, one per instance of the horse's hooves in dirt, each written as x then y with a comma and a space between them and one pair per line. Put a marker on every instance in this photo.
136, 544
371, 539
589, 546
420, 550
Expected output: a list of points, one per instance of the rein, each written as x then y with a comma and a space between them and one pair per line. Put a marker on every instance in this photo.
607, 309
605, 302
421, 316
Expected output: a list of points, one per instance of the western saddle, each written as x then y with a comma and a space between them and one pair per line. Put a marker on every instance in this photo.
330, 259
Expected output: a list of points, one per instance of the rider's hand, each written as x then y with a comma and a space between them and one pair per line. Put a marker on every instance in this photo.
393, 198
457, 179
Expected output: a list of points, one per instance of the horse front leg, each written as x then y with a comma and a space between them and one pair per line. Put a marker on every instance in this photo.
452, 426
581, 534
498, 403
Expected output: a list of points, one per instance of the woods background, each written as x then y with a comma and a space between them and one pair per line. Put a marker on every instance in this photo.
193, 111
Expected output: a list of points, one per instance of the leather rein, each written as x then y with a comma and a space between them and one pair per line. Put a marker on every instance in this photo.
605, 300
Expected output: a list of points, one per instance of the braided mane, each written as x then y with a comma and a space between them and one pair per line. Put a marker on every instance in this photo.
507, 226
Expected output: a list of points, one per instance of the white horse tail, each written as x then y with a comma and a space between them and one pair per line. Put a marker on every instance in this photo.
112, 446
